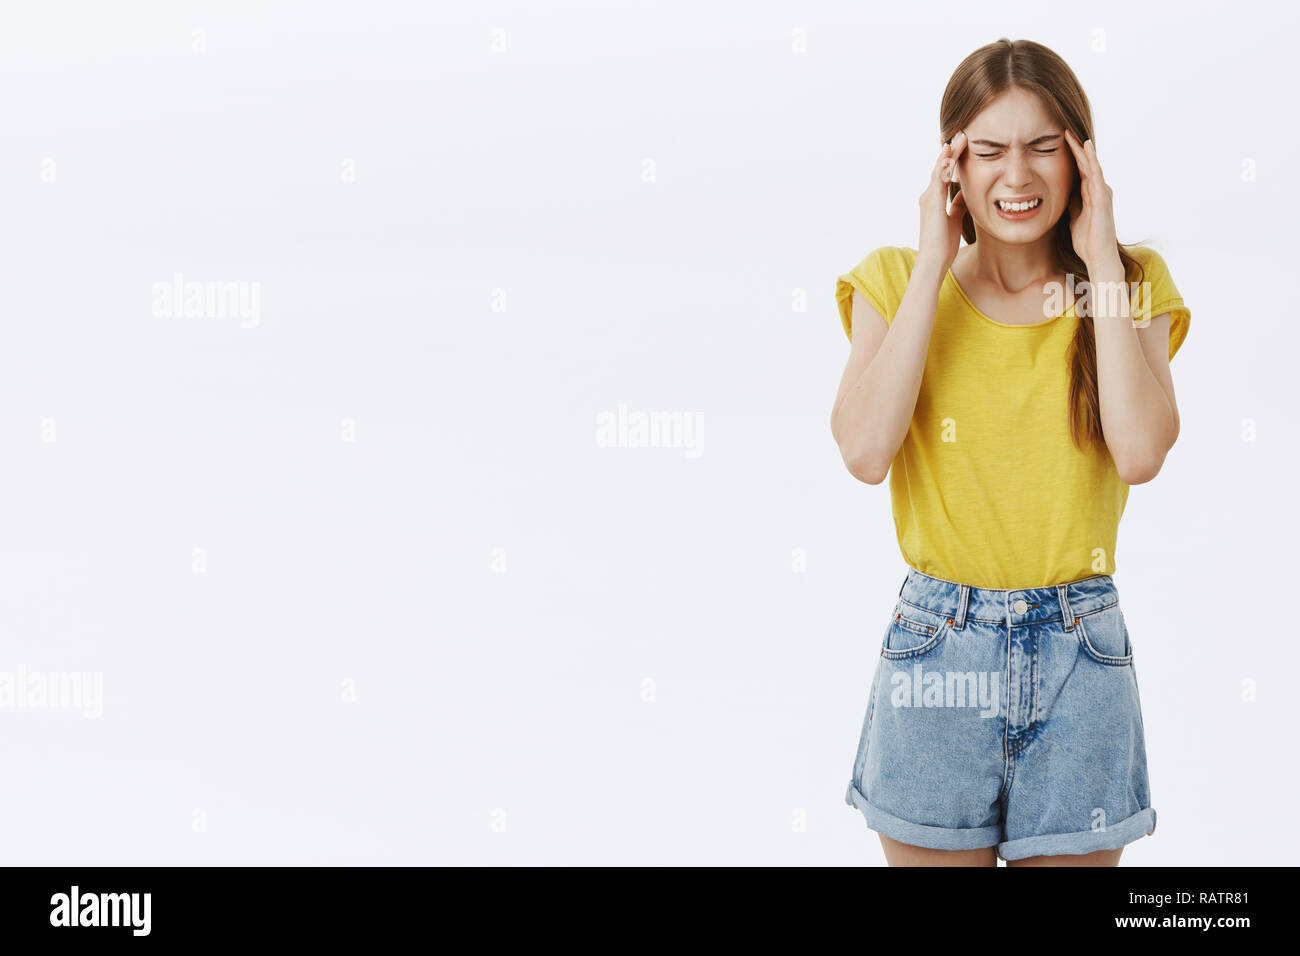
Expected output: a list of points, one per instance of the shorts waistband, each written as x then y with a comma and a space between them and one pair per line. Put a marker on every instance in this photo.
963, 602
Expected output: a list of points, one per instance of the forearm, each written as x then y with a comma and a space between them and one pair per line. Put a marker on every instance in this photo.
874, 416
1136, 416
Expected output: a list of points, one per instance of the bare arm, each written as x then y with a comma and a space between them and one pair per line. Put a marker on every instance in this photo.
1139, 414
878, 391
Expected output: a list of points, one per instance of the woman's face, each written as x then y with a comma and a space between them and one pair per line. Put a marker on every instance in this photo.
1016, 150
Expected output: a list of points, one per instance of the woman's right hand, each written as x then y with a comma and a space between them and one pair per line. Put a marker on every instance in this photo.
940, 223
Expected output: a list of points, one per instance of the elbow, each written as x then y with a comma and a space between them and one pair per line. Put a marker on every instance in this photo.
867, 471
862, 463
1141, 465
1139, 472
1137, 466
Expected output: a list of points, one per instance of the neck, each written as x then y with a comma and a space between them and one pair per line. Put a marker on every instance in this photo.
1010, 267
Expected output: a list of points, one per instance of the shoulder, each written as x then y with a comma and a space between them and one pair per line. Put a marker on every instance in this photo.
1157, 294
1151, 262
1153, 272
881, 276
886, 265
894, 257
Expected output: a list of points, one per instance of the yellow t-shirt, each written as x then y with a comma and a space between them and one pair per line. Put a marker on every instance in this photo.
988, 489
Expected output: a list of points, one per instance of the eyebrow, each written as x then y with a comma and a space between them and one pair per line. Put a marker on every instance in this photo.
1032, 142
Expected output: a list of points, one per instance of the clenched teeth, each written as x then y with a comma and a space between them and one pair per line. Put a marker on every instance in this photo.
1017, 206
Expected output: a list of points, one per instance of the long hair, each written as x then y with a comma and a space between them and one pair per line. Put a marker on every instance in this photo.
984, 75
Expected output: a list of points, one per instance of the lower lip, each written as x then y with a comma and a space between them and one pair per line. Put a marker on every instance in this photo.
1016, 216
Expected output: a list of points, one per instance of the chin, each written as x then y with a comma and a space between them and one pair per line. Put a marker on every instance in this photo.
1015, 235
1021, 232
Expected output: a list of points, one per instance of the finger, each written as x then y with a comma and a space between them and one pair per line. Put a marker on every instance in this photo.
1086, 156
959, 142
956, 145
1080, 157
958, 207
1091, 149
938, 173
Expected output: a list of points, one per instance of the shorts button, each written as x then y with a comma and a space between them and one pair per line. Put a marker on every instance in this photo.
1020, 607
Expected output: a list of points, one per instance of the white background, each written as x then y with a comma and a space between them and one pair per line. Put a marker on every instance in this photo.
565, 653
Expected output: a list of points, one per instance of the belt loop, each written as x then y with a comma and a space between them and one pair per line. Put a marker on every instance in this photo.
963, 599
1067, 613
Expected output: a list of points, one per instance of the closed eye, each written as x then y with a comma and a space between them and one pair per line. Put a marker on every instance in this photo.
1041, 152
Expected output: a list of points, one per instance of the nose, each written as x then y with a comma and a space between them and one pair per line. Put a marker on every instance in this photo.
1017, 173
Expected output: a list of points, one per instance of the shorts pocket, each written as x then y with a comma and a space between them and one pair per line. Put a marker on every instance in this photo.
913, 632
1103, 636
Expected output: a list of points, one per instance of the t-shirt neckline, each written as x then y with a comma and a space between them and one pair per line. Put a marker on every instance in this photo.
1006, 325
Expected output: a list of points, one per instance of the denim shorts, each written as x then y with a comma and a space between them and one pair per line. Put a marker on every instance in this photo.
1005, 718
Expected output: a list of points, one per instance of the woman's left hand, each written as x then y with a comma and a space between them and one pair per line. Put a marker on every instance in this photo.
1092, 219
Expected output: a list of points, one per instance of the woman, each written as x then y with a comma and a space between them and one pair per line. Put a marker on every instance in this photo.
1012, 389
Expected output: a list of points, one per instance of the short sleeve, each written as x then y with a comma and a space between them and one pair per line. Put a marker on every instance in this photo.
1160, 296
881, 277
